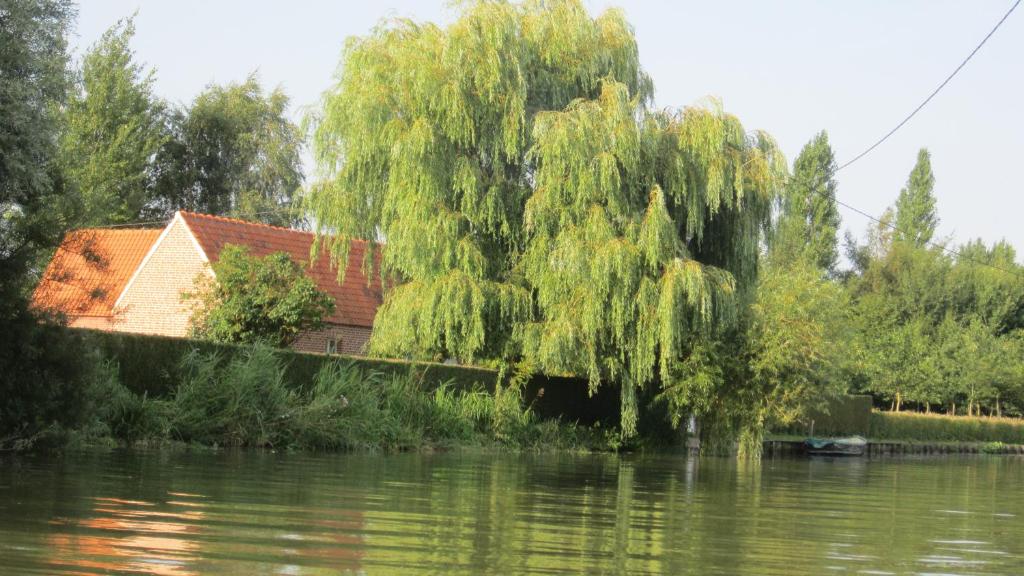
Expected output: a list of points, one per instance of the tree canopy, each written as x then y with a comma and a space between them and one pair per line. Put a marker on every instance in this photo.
44, 369
113, 128
233, 152
34, 69
257, 299
534, 208
939, 328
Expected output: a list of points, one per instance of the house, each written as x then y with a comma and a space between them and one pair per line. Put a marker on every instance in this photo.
133, 280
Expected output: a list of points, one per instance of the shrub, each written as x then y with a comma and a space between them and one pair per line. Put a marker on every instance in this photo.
257, 299
350, 407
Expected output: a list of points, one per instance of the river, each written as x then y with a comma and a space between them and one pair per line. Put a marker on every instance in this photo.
179, 513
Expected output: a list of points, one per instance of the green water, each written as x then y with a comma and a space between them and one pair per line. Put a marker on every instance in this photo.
250, 513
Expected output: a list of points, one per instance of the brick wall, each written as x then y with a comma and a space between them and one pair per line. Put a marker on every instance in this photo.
152, 302
350, 339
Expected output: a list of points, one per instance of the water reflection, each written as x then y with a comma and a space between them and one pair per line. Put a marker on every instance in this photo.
128, 536
471, 514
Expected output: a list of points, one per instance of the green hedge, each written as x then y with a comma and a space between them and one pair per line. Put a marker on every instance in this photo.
151, 364
917, 427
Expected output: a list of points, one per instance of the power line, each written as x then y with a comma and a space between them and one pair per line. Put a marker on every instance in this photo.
869, 149
936, 91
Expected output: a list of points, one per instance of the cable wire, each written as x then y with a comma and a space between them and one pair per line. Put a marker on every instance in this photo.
903, 122
936, 91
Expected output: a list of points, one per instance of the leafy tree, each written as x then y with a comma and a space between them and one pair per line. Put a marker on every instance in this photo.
809, 219
985, 283
234, 152
43, 366
916, 218
252, 299
789, 353
113, 129
534, 208
34, 72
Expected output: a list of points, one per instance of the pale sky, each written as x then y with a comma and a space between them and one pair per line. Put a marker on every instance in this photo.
789, 67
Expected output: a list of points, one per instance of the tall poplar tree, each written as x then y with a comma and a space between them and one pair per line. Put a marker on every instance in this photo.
113, 129
534, 208
809, 218
916, 218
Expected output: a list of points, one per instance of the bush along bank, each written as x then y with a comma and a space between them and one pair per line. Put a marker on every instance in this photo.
245, 400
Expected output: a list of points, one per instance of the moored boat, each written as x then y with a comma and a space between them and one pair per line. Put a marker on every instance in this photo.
848, 446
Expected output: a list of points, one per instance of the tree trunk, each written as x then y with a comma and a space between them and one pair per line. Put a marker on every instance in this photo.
898, 401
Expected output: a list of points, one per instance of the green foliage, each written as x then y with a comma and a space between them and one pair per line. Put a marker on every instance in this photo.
111, 409
785, 359
916, 218
113, 127
151, 365
798, 341
243, 401
916, 427
937, 331
809, 217
42, 385
535, 210
233, 152
253, 299
843, 415
33, 196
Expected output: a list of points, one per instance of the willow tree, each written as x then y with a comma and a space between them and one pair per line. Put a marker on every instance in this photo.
535, 209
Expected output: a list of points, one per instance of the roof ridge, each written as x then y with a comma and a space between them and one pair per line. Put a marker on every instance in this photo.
186, 213
101, 229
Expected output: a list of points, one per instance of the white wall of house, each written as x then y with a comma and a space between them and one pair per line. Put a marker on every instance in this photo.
152, 301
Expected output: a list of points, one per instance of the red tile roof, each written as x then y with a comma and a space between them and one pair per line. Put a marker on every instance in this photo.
356, 300
90, 269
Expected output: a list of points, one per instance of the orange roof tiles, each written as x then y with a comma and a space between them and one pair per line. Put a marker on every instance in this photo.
90, 269
356, 300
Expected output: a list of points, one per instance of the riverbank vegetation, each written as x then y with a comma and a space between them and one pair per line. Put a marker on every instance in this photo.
246, 399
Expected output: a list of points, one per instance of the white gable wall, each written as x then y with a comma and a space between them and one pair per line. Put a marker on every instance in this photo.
152, 301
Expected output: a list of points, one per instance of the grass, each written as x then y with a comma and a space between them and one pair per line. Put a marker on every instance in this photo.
918, 427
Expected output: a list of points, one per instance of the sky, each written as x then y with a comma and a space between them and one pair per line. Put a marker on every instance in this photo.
790, 67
